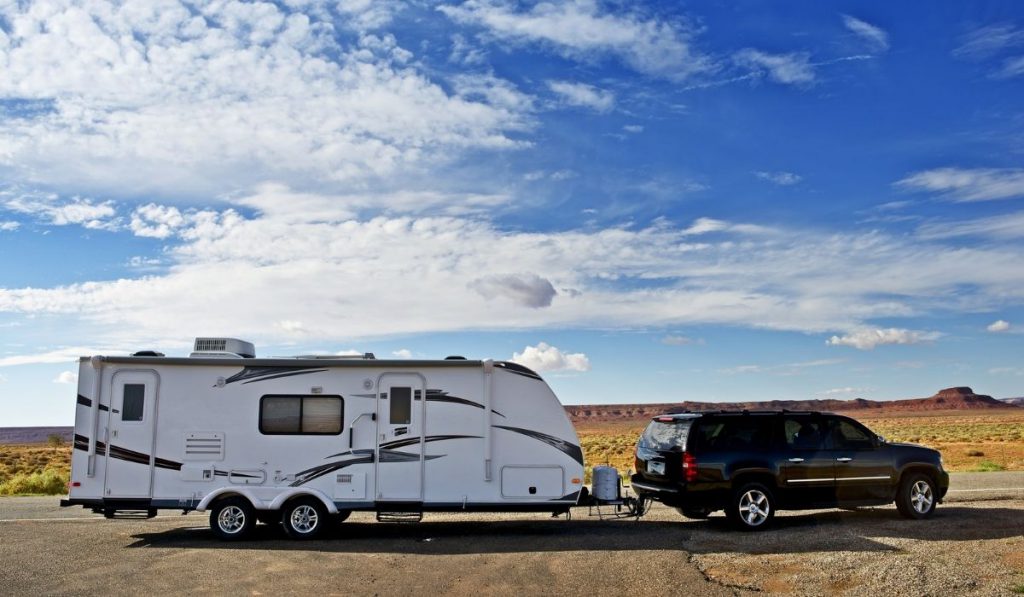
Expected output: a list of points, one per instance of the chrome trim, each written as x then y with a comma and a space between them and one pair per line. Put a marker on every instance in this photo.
886, 477
815, 480
658, 488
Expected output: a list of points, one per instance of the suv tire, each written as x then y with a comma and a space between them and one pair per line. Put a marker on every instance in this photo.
916, 496
752, 507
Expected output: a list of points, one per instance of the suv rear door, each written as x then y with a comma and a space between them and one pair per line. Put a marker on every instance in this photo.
806, 467
659, 453
863, 467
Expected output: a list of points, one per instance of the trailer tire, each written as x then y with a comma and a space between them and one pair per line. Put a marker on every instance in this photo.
304, 518
232, 518
342, 516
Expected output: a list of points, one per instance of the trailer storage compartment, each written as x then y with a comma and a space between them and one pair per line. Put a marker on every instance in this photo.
532, 481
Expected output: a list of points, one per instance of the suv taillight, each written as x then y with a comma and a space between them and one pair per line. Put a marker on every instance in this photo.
689, 467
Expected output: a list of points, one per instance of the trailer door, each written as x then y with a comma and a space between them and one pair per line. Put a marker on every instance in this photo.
400, 414
130, 439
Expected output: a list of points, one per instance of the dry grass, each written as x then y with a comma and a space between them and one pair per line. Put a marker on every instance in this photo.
973, 441
34, 469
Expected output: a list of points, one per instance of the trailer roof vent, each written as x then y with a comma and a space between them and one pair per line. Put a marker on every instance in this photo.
223, 347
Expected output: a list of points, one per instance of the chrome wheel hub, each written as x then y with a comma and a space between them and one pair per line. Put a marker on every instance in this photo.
304, 519
231, 519
921, 497
754, 508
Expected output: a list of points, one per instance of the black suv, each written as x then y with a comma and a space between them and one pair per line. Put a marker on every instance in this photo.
751, 464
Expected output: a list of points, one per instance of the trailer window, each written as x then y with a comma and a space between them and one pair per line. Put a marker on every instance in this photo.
401, 406
134, 402
301, 415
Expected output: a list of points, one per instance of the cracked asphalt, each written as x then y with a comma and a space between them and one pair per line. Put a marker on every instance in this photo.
972, 546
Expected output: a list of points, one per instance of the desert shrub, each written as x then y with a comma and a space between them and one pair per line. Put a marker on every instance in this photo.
987, 466
50, 481
55, 440
975, 453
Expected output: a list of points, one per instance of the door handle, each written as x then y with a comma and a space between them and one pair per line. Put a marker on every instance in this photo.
796, 459
843, 459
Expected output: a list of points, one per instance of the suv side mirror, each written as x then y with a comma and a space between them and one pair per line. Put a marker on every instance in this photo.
879, 440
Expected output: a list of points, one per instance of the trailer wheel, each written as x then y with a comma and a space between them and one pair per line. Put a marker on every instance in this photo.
232, 518
342, 516
304, 518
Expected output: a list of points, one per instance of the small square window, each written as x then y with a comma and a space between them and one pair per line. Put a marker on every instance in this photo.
133, 404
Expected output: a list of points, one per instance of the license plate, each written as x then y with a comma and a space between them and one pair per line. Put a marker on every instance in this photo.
658, 468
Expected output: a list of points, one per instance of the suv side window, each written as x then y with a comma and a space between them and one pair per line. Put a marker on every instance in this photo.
846, 435
803, 433
735, 434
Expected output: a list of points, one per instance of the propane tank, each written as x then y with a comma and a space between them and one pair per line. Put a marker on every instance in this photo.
606, 483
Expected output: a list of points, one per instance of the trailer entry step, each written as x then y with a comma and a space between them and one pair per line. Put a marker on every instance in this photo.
399, 516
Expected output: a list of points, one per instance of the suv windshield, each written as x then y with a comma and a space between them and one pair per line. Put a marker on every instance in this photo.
664, 435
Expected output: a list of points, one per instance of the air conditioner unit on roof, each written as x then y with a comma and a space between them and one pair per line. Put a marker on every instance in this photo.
207, 347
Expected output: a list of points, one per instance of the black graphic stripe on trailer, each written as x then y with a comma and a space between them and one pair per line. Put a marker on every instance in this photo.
517, 369
254, 374
88, 402
571, 450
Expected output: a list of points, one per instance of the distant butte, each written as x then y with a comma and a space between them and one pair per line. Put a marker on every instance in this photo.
959, 398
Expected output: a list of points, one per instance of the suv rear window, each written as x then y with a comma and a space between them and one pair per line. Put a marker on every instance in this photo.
664, 435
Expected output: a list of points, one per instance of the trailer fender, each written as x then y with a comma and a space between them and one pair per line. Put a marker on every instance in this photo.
296, 491
242, 491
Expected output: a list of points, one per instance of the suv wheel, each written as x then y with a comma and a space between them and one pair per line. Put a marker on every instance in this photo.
752, 507
232, 518
916, 498
694, 513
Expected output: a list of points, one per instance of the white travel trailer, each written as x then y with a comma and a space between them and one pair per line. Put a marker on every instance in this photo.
308, 439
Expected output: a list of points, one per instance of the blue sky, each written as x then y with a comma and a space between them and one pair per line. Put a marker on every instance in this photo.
644, 201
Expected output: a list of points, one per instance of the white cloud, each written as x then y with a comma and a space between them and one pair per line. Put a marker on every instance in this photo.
527, 290
156, 221
545, 357
847, 391
960, 184
998, 326
633, 128
316, 262
367, 14
465, 53
51, 209
9, 225
679, 340
402, 353
779, 178
173, 100
984, 42
1012, 67
786, 369
867, 339
1018, 371
581, 94
66, 377
876, 38
61, 355
580, 30
1006, 226
788, 69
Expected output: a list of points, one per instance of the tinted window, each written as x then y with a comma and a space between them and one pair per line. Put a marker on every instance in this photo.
401, 406
733, 434
803, 433
847, 435
134, 402
662, 435
308, 415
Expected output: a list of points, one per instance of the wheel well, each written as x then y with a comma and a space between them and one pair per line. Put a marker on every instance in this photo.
228, 495
766, 479
301, 496
914, 469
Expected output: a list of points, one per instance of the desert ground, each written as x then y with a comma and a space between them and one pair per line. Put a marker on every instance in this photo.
973, 546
